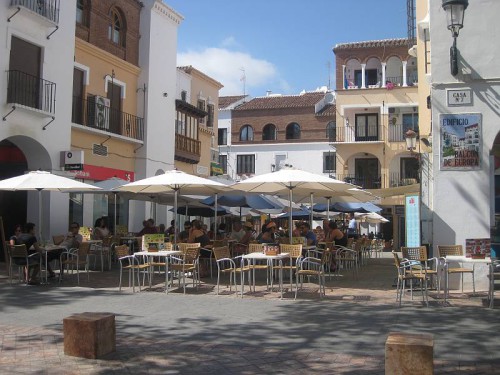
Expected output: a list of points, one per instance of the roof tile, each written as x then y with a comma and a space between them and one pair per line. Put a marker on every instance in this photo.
283, 101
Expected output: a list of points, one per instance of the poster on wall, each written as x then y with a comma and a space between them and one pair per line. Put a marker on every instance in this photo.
477, 247
460, 141
412, 220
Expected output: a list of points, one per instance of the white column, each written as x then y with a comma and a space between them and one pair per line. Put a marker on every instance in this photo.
404, 73
363, 83
344, 79
383, 73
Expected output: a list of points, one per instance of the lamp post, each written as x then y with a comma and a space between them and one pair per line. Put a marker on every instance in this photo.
455, 10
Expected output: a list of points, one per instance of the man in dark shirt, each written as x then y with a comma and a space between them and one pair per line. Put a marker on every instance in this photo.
27, 237
184, 235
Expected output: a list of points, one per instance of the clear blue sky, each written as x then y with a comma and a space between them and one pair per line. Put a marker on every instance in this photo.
283, 45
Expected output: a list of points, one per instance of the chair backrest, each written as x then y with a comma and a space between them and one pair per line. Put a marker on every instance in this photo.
397, 260
168, 246
326, 257
85, 232
350, 240
121, 251
219, 243
18, 251
221, 252
414, 253
255, 248
284, 240
184, 246
191, 254
295, 251
445, 250
58, 239
299, 240
84, 249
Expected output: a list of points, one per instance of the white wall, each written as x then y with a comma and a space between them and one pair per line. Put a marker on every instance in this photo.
25, 126
462, 200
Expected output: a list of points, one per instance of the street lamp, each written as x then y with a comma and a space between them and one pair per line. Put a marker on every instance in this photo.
455, 10
411, 140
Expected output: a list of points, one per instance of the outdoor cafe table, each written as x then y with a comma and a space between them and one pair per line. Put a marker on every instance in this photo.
166, 254
270, 259
460, 259
46, 249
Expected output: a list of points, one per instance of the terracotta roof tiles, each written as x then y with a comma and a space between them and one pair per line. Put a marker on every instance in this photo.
226, 101
283, 101
398, 42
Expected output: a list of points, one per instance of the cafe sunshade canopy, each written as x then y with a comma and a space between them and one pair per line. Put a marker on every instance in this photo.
44, 181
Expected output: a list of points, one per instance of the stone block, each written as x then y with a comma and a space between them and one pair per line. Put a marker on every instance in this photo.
89, 335
409, 354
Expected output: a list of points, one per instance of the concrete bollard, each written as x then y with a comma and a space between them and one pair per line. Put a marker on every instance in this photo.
89, 335
409, 354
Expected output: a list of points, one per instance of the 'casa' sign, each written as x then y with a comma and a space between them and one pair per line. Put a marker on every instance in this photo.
457, 98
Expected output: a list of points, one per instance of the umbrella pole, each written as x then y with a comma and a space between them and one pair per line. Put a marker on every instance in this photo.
175, 215
328, 208
114, 229
290, 215
215, 216
40, 214
311, 213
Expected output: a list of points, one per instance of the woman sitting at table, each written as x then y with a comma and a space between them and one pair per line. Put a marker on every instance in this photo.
335, 235
197, 234
268, 233
101, 230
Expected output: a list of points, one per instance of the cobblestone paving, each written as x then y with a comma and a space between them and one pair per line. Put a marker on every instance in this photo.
344, 333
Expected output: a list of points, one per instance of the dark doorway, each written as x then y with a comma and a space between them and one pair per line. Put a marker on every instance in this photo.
13, 204
115, 99
366, 171
77, 114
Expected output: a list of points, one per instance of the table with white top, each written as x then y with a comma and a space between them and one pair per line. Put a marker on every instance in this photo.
270, 259
164, 254
47, 249
460, 259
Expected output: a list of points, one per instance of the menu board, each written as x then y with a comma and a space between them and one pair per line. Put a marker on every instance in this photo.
412, 220
153, 242
477, 247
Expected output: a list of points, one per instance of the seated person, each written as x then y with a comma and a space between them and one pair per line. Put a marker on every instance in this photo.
268, 233
306, 232
196, 234
335, 235
250, 234
184, 235
171, 229
73, 239
20, 238
238, 232
101, 230
149, 228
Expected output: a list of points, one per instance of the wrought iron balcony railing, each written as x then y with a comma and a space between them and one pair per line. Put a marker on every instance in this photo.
93, 113
352, 133
383, 181
397, 132
366, 182
45, 8
31, 91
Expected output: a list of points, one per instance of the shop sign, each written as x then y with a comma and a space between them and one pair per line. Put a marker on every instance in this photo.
92, 172
216, 169
457, 98
460, 147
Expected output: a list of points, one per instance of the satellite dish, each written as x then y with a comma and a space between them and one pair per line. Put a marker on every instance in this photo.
329, 98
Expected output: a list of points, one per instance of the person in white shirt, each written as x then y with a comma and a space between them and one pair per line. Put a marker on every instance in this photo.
238, 232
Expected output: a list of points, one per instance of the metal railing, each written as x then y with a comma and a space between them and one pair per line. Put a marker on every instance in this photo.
31, 91
408, 178
46, 8
397, 81
92, 114
351, 133
397, 132
366, 182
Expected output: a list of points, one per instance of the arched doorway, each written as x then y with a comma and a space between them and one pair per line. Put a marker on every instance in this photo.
13, 205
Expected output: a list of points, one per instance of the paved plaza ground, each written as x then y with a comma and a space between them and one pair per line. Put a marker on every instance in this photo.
202, 333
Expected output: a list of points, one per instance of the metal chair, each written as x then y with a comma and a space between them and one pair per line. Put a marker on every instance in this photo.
405, 274
74, 259
19, 257
454, 250
429, 266
313, 267
227, 265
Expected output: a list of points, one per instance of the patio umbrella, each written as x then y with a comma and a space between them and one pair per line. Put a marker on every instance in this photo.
174, 181
253, 201
294, 181
372, 217
44, 181
347, 207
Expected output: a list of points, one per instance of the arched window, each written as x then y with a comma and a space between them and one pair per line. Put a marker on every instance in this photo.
246, 133
116, 29
331, 131
293, 131
269, 133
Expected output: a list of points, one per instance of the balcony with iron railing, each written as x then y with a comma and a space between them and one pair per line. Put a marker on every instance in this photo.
352, 133
381, 181
30, 91
48, 9
93, 114
397, 132
187, 149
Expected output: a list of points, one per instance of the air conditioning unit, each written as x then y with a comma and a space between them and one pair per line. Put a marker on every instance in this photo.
102, 105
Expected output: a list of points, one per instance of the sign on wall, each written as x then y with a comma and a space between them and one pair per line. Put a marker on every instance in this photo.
460, 141
458, 98
412, 220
